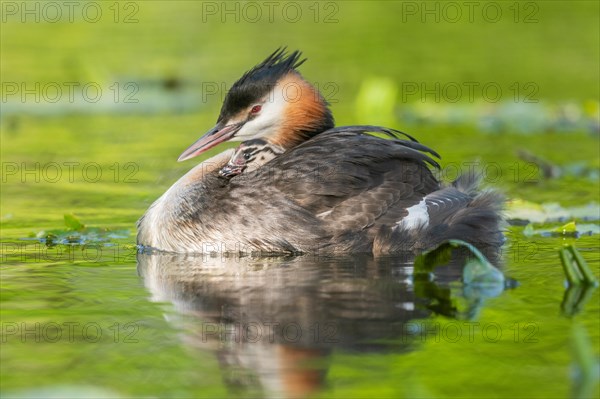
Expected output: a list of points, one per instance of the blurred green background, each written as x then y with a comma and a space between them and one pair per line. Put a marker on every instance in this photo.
148, 78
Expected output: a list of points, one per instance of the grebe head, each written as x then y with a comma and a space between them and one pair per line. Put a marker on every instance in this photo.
271, 102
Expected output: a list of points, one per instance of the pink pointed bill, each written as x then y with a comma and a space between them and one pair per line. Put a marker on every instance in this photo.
214, 136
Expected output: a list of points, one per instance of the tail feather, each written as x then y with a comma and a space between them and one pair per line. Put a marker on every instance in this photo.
468, 183
478, 222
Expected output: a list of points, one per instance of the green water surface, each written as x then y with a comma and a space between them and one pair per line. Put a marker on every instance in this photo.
95, 319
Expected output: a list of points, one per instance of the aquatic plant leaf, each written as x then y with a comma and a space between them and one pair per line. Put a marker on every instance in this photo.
481, 272
438, 298
574, 277
427, 261
521, 210
585, 378
566, 229
477, 270
514, 117
575, 267
84, 236
571, 229
73, 223
588, 228
575, 298
588, 277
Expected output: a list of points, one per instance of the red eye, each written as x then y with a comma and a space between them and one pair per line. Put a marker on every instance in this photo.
256, 109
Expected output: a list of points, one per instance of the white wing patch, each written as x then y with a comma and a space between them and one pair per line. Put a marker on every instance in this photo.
417, 217
324, 214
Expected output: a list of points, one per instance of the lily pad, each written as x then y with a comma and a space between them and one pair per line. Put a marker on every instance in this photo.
519, 117
521, 210
570, 229
76, 233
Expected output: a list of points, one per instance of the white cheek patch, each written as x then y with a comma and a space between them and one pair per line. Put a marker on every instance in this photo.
267, 122
417, 217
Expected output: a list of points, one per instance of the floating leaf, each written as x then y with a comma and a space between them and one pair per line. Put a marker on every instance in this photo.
514, 117
521, 210
84, 236
570, 229
50, 239
567, 229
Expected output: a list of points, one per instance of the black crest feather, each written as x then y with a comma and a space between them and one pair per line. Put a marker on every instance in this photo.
259, 81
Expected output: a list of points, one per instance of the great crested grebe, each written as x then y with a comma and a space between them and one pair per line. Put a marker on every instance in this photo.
299, 185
